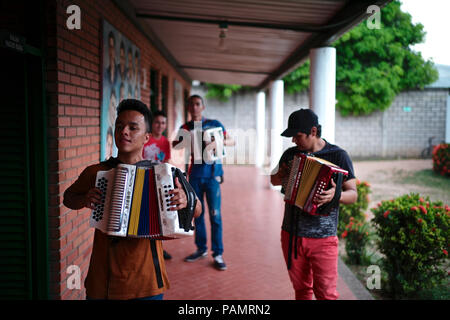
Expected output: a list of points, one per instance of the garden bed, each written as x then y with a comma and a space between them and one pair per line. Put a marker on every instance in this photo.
360, 272
389, 180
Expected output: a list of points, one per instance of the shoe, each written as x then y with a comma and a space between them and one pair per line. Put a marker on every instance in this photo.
219, 263
167, 256
196, 255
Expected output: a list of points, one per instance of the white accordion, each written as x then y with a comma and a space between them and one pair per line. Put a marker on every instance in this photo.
208, 144
216, 149
134, 203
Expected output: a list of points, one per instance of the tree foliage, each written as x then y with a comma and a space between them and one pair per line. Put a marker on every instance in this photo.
222, 92
373, 65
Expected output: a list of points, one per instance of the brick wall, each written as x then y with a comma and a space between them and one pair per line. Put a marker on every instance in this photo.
74, 99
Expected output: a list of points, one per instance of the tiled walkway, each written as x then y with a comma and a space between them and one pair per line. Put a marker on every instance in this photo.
252, 216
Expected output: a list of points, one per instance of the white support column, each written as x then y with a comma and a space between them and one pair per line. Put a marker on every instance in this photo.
323, 89
276, 108
447, 121
260, 129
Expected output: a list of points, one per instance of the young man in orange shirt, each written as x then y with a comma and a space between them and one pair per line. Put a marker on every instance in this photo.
124, 268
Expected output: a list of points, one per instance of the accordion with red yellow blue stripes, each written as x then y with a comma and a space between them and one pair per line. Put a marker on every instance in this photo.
135, 203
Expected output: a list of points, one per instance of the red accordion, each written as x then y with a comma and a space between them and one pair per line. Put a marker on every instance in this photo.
308, 177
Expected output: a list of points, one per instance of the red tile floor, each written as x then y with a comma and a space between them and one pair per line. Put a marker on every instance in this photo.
251, 215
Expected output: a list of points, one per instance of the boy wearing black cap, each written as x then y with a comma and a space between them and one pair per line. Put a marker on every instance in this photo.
314, 270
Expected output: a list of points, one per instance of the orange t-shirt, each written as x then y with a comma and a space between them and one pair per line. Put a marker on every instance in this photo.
121, 268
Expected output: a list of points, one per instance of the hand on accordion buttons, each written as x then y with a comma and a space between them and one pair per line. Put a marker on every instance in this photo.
93, 197
326, 195
178, 199
283, 170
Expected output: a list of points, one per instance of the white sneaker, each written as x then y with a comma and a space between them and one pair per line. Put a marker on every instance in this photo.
219, 263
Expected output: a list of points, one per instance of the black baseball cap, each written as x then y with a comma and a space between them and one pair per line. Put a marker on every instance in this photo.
301, 121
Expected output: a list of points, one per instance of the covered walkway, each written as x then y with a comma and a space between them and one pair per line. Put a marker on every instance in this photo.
252, 215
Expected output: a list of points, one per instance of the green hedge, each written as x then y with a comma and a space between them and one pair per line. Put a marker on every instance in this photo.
356, 210
413, 235
357, 235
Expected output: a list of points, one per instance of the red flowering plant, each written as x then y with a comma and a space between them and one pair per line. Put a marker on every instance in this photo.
357, 237
356, 210
441, 159
413, 235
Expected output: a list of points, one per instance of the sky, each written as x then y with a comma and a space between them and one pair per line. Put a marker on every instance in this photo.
434, 15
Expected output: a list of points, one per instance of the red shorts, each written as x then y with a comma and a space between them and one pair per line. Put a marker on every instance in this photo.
315, 268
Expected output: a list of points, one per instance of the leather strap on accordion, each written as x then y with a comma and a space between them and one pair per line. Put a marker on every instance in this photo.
292, 235
158, 274
322, 210
185, 215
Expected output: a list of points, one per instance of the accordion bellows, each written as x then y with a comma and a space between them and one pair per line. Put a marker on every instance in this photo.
308, 177
135, 202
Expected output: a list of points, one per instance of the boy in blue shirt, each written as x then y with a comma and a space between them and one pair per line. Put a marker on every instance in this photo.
205, 178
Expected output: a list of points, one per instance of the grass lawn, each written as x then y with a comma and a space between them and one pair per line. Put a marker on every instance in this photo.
435, 186
429, 179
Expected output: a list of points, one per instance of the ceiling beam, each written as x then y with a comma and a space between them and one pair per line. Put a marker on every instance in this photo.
353, 8
224, 70
263, 25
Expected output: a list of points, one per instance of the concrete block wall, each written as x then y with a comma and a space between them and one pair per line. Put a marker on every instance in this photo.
360, 136
411, 129
400, 131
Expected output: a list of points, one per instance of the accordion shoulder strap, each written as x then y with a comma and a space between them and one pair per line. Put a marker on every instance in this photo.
187, 213
155, 258
111, 162
293, 237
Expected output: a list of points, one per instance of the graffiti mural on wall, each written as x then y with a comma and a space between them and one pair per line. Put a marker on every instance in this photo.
120, 70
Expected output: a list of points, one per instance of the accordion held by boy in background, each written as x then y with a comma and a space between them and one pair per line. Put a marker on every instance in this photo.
215, 150
308, 177
207, 145
135, 203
